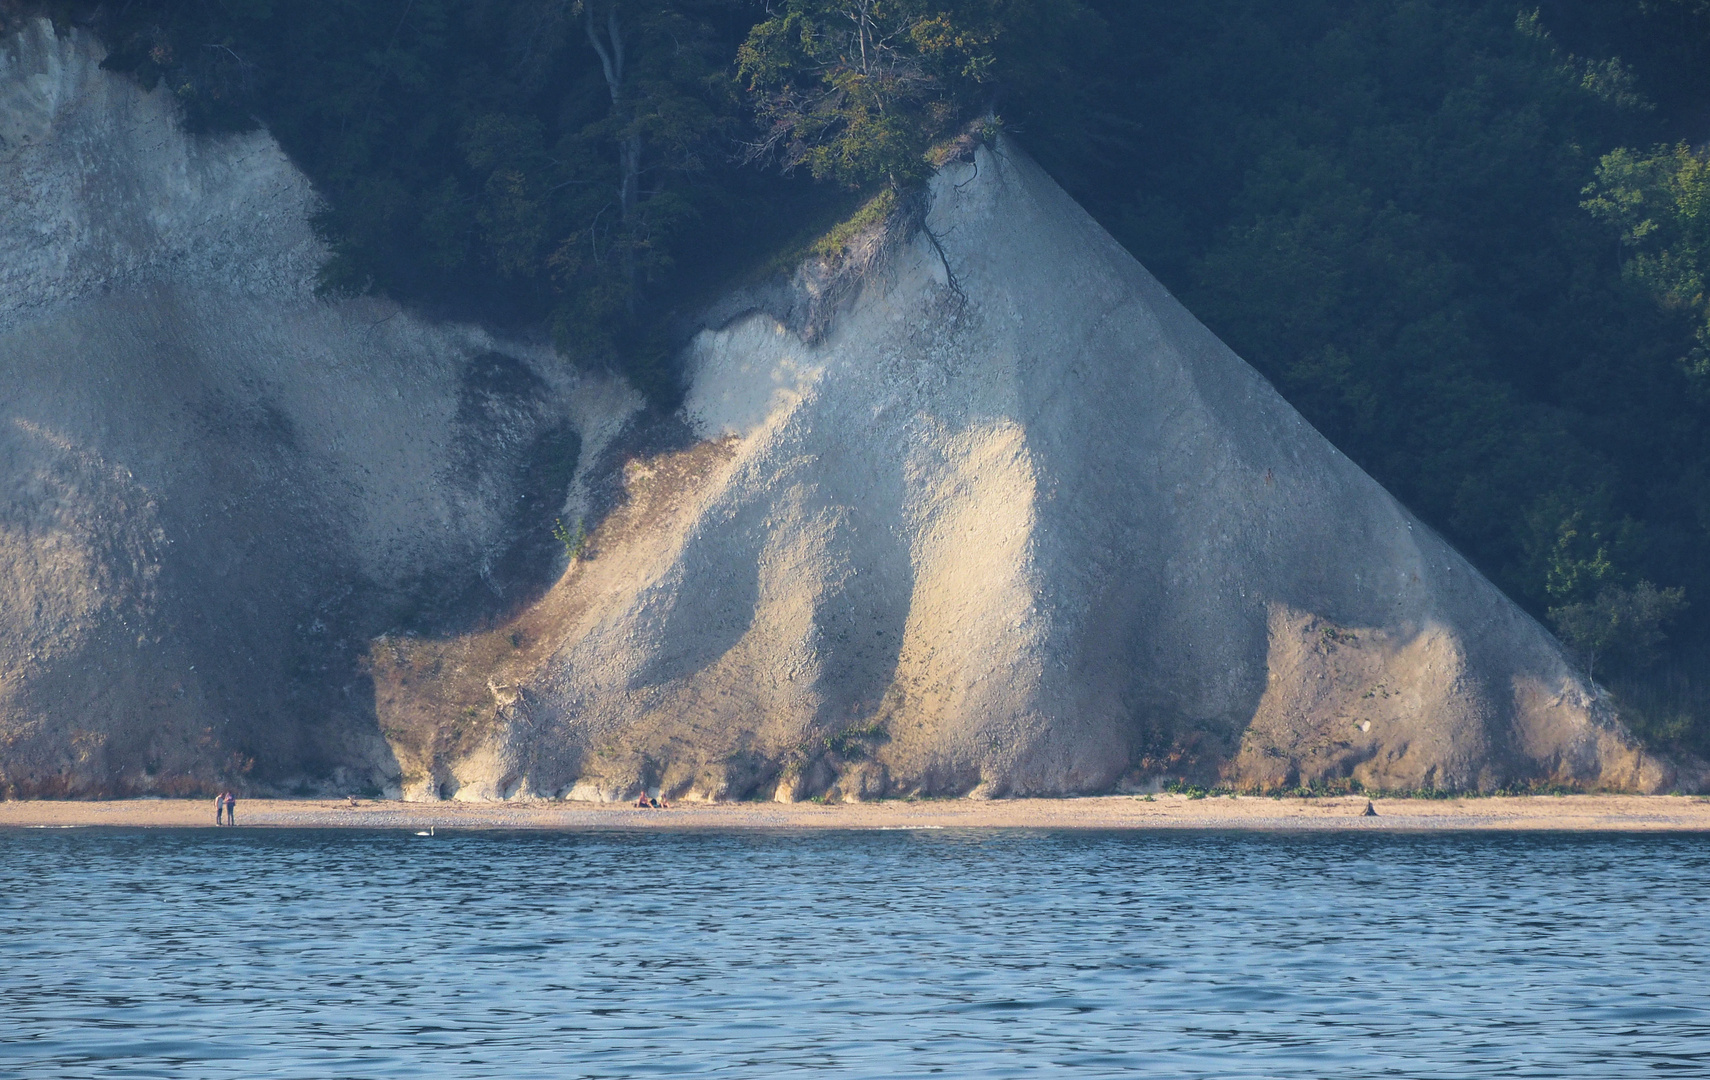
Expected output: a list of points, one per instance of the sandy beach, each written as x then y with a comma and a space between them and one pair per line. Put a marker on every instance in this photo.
1568, 813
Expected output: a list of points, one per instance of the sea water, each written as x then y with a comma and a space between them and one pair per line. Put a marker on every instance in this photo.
323, 954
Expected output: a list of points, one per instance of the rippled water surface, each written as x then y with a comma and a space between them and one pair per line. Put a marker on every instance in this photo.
335, 954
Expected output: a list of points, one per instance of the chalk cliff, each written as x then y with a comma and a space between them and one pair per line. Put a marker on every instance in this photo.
215, 487
1016, 524
1007, 521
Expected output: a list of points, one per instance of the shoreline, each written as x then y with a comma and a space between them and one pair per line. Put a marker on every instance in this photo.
1549, 813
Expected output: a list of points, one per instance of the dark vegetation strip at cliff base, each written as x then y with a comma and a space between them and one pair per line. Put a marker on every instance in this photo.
1469, 240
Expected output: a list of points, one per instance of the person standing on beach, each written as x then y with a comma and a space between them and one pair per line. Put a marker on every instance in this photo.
231, 808
220, 808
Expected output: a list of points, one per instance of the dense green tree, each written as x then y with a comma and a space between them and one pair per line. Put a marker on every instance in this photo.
1620, 624
1660, 202
858, 90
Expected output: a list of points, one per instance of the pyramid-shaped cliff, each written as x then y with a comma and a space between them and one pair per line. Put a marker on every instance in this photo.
1015, 523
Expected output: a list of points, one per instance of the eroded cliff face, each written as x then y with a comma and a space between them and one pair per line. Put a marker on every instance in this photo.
214, 487
1003, 520
1015, 524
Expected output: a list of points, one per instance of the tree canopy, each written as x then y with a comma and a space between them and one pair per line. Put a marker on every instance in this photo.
858, 90
1660, 202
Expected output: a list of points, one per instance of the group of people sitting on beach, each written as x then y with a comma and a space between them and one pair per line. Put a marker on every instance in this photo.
646, 802
225, 807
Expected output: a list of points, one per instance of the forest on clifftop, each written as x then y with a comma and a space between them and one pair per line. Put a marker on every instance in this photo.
1469, 240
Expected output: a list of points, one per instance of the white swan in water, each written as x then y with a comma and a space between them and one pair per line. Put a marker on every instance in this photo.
428, 833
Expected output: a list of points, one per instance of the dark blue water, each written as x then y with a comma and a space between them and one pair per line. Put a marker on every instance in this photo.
329, 954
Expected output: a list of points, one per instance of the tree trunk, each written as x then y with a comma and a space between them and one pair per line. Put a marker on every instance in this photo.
608, 43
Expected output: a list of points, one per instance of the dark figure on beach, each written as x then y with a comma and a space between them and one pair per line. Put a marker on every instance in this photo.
231, 809
220, 808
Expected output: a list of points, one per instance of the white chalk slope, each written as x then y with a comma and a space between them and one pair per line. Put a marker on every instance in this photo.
215, 487
1040, 533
